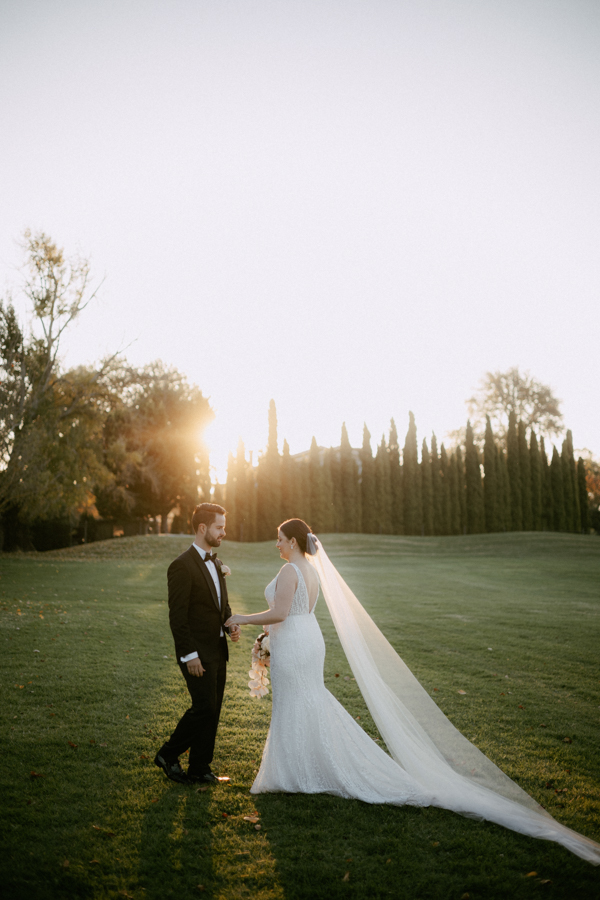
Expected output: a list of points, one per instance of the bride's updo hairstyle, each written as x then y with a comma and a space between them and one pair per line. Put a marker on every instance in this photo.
297, 528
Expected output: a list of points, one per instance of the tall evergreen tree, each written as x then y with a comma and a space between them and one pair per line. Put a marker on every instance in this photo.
514, 474
537, 512
413, 516
303, 482
383, 488
328, 505
396, 482
461, 491
558, 492
426, 497
244, 522
444, 492
351, 519
370, 510
268, 500
570, 484
503, 497
474, 488
547, 498
336, 483
317, 499
436, 496
525, 474
584, 509
230, 499
491, 487
289, 485
454, 495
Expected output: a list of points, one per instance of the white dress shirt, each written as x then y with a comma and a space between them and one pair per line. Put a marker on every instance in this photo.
215, 577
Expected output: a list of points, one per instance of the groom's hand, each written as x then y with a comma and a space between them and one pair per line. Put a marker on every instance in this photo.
234, 632
195, 667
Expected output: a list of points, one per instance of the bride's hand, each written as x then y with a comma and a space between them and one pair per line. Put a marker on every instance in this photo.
234, 620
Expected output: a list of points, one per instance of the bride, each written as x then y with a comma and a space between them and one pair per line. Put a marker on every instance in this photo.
315, 746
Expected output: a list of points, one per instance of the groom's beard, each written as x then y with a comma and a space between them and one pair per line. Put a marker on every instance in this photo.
212, 542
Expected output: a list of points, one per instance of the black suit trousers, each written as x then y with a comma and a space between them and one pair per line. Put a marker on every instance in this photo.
197, 729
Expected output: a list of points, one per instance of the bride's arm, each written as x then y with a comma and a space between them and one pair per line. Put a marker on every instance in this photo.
287, 582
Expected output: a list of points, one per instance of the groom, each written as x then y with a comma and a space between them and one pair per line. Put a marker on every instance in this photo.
198, 607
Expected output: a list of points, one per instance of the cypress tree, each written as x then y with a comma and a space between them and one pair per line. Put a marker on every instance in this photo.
244, 482
289, 485
268, 500
336, 483
503, 496
490, 483
315, 478
558, 492
396, 482
525, 474
370, 506
444, 492
547, 498
572, 511
461, 491
411, 483
436, 496
474, 488
350, 486
454, 492
328, 505
426, 497
514, 474
584, 509
536, 483
303, 481
230, 501
383, 488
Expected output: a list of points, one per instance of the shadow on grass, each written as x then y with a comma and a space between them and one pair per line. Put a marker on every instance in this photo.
326, 847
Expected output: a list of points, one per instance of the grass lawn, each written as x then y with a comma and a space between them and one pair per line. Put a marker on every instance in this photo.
90, 689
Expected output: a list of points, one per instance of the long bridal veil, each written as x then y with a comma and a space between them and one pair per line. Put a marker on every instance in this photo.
421, 739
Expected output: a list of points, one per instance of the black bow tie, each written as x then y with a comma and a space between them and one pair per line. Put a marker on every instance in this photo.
209, 558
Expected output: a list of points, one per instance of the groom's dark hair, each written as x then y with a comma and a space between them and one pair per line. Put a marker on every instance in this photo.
205, 514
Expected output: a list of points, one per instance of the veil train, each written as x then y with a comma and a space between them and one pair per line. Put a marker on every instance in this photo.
421, 739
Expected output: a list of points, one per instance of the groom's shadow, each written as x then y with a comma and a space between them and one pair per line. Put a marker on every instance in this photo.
176, 853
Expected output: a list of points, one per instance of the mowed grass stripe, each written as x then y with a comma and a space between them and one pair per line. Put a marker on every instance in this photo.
533, 599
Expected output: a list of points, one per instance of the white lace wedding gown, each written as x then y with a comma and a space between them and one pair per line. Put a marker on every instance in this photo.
315, 746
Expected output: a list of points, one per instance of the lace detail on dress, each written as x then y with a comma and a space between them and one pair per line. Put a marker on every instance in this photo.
301, 601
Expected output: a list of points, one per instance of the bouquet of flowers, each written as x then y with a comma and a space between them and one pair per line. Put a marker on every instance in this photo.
259, 682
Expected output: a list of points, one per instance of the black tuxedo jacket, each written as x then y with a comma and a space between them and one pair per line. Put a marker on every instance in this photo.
194, 615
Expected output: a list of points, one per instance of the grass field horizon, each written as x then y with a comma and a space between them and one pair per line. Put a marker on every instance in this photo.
91, 689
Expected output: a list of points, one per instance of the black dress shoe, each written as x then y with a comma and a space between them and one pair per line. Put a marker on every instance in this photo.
172, 770
209, 778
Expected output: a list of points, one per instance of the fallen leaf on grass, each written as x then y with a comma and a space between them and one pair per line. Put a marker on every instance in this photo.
521, 707
531, 874
92, 742
436, 844
243, 853
253, 819
542, 725
66, 864
36, 775
388, 861
201, 790
462, 692
71, 744
224, 815
546, 881
125, 894
346, 877
567, 740
143, 756
94, 861
257, 827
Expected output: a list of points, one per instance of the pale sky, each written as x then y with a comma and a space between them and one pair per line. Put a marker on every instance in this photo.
356, 208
